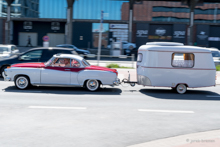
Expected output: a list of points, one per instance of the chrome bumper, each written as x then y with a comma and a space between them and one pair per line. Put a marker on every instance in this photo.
5, 77
116, 82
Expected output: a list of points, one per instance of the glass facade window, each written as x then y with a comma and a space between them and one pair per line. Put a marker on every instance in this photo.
171, 9
20, 8
186, 10
170, 19
82, 9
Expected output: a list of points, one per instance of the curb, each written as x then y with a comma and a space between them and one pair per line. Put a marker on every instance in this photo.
211, 138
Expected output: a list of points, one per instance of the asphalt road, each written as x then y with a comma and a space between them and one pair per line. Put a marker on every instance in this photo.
111, 117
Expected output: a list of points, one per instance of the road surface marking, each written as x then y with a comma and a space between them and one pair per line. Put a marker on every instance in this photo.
212, 95
167, 111
53, 107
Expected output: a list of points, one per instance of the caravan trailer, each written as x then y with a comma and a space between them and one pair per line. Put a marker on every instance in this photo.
176, 66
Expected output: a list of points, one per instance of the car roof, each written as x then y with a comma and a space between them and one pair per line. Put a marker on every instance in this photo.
68, 56
7, 45
165, 43
52, 48
192, 49
213, 49
63, 44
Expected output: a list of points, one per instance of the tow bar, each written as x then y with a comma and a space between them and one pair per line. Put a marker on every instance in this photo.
132, 83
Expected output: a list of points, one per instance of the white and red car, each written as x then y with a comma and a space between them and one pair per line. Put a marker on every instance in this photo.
78, 72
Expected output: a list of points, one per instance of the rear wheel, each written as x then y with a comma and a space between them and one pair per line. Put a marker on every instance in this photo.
22, 82
181, 88
92, 85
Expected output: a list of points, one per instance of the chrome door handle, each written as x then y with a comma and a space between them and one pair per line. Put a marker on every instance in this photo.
67, 69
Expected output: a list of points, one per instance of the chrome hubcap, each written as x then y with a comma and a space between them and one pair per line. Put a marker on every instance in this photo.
181, 89
92, 84
22, 82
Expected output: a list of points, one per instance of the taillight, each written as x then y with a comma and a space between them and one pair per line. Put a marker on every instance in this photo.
116, 72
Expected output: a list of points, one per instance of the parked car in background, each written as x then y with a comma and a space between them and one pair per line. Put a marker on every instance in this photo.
81, 52
61, 70
7, 51
127, 46
215, 55
34, 55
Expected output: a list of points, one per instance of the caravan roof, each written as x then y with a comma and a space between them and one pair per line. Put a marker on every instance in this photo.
165, 43
173, 48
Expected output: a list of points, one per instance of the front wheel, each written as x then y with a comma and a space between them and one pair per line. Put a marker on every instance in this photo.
92, 85
3, 70
22, 82
181, 88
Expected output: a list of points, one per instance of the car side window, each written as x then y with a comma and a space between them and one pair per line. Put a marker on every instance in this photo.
75, 63
32, 55
61, 62
13, 48
183, 60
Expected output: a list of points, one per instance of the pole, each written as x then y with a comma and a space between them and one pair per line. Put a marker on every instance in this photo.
7, 25
191, 4
69, 28
215, 12
100, 37
130, 25
130, 20
8, 22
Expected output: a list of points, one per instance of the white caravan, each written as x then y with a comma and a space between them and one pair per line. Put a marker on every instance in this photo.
175, 66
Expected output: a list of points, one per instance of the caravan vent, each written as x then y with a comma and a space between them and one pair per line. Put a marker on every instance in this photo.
165, 43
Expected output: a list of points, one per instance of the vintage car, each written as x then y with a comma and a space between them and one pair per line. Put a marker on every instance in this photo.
61, 70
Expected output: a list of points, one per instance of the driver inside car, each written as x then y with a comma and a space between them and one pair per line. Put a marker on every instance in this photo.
67, 62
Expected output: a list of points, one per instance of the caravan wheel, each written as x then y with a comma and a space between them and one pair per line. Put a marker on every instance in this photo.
181, 88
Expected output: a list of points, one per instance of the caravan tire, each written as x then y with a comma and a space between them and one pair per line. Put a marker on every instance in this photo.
181, 88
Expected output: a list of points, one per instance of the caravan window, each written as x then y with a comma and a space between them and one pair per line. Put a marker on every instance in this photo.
183, 60
139, 58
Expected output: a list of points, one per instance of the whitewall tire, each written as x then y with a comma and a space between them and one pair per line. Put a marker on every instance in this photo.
22, 82
92, 85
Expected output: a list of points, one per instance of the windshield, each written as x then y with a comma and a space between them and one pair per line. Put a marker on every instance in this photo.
85, 63
215, 54
49, 61
4, 49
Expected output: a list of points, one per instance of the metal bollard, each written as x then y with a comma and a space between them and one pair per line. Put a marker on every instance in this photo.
132, 58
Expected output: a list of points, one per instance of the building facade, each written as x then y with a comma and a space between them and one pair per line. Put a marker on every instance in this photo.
152, 21
21, 8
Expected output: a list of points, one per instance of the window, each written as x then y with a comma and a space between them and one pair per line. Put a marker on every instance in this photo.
85, 63
3, 49
32, 55
75, 63
13, 48
139, 58
183, 60
61, 62
215, 54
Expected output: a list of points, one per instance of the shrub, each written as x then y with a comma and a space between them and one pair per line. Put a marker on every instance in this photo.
218, 68
113, 66
116, 66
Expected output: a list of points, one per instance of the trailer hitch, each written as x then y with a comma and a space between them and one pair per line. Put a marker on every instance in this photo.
127, 81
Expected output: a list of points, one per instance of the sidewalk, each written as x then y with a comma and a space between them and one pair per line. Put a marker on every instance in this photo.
202, 139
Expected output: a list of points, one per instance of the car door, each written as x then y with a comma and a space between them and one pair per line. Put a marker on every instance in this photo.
76, 67
56, 73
